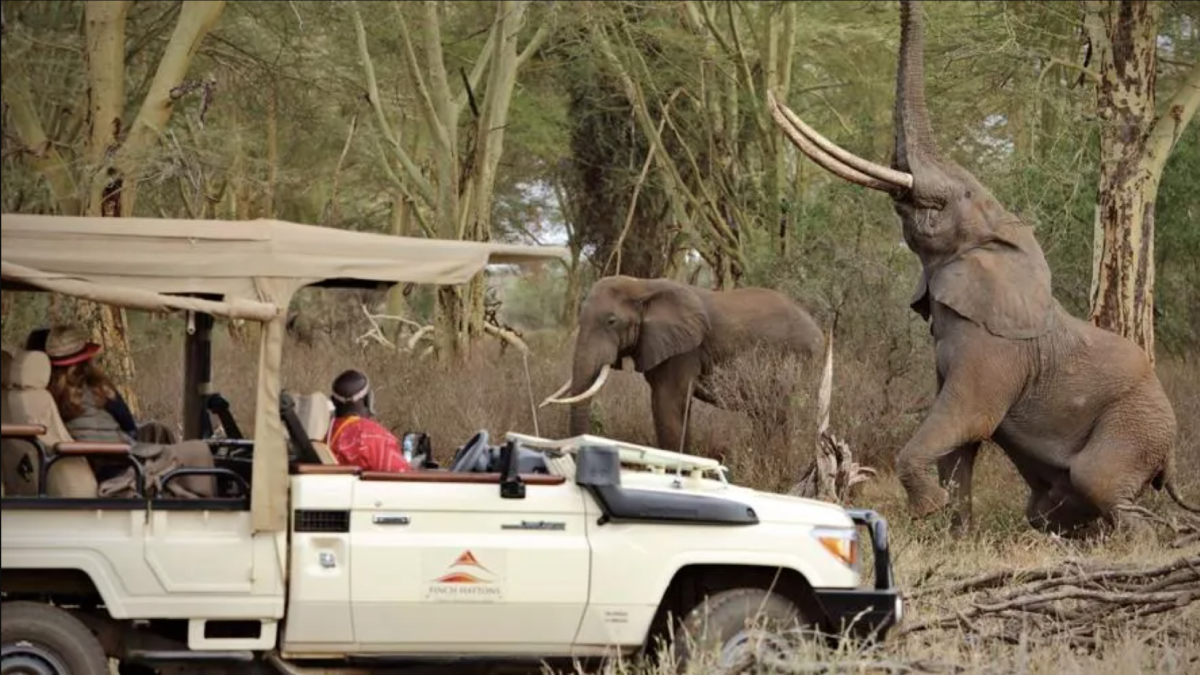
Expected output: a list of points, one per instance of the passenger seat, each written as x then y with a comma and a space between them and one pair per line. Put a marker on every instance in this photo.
29, 402
315, 412
18, 458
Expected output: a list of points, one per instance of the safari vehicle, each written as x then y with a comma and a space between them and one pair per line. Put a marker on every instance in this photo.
525, 549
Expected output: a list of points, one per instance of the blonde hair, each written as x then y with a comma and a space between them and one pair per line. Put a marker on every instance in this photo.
68, 382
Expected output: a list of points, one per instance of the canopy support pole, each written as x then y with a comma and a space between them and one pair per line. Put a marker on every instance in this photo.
197, 373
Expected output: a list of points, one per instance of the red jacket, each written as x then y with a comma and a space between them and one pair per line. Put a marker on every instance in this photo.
361, 441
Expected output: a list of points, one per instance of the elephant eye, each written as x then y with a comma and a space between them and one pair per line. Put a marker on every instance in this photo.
612, 319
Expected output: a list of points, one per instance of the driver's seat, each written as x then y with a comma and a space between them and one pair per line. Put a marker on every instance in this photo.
315, 412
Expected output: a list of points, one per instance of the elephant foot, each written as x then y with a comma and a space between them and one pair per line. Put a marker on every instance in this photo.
929, 502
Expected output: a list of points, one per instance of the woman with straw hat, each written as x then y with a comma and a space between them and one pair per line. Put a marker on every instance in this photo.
93, 410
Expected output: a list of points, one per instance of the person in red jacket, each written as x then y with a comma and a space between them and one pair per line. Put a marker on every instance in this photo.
355, 437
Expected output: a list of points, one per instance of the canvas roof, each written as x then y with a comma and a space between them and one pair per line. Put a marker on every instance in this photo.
255, 266
232, 259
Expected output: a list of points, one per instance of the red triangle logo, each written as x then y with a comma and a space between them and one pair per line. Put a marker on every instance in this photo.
468, 559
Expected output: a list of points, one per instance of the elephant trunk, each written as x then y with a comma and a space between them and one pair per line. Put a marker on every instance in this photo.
914, 133
580, 419
586, 379
588, 375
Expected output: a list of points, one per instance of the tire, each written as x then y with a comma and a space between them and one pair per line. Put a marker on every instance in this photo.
729, 625
40, 639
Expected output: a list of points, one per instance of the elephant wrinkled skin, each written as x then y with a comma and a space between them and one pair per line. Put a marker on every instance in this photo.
1079, 410
676, 334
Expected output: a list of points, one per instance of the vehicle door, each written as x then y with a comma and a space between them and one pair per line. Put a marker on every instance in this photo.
440, 562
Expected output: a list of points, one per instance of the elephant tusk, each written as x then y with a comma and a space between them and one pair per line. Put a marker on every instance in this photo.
832, 158
899, 178
591, 391
550, 399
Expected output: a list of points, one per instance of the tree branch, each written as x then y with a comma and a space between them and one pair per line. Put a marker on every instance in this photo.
477, 71
439, 82
43, 156
1170, 124
535, 43
196, 19
424, 188
440, 133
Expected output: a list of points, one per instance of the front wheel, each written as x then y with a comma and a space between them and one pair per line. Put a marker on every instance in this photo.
39, 639
737, 627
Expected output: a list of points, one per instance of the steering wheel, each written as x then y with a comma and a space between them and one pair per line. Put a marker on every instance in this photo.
473, 456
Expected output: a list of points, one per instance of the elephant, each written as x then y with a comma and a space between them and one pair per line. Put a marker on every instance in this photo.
1078, 409
676, 334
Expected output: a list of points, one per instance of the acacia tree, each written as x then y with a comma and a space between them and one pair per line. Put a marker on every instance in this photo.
104, 179
1135, 141
458, 194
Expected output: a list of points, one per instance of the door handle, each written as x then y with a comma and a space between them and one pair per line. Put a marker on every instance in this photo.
396, 519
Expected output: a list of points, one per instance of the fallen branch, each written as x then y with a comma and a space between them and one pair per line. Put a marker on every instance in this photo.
832, 472
376, 331
1077, 600
421, 332
507, 336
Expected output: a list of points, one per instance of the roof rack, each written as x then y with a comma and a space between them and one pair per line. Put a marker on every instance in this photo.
656, 459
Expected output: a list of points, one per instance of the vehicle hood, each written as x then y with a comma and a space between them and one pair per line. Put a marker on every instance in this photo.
769, 506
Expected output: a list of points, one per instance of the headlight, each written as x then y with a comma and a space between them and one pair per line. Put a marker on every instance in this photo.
842, 543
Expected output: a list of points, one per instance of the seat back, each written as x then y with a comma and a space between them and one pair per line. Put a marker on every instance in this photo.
29, 402
18, 458
315, 411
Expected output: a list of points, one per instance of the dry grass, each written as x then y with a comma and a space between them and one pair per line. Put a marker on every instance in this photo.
877, 405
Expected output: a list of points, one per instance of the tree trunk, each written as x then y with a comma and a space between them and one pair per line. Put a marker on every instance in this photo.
401, 227
272, 152
1134, 146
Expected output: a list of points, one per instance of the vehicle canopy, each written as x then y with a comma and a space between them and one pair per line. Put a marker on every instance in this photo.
235, 269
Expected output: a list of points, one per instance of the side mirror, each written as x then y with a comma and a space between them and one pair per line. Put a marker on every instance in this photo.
511, 485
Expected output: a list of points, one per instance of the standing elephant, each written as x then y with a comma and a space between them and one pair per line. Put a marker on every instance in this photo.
1078, 409
676, 334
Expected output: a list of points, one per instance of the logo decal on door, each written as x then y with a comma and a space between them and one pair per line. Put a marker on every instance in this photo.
466, 579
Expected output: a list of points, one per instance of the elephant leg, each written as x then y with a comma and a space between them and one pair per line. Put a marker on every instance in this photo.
965, 413
1060, 510
955, 472
1121, 457
670, 385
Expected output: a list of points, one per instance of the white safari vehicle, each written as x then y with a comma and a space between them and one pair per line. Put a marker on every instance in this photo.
525, 549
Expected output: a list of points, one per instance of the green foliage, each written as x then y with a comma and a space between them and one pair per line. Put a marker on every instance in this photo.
1177, 247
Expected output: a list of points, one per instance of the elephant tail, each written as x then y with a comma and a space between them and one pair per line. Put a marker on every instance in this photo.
1165, 479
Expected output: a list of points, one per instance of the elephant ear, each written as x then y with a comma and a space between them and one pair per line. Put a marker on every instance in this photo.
1003, 285
674, 321
920, 298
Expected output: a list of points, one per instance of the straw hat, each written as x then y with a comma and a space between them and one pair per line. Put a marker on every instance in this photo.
67, 345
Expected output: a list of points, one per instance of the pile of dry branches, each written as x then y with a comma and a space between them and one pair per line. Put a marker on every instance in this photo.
1081, 600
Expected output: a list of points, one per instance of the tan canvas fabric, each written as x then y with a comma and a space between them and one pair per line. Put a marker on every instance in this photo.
254, 266
225, 257
269, 491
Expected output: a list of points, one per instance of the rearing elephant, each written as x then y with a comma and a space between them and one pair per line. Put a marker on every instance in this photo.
1079, 410
675, 335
